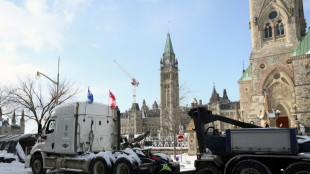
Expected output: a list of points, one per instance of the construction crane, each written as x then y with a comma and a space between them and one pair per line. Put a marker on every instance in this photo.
134, 82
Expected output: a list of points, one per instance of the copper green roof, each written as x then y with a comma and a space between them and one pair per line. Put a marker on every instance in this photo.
246, 75
168, 48
304, 46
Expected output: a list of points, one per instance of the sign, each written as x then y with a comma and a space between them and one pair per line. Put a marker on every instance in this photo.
181, 130
180, 138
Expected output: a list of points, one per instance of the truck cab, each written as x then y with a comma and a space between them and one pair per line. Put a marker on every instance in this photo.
82, 137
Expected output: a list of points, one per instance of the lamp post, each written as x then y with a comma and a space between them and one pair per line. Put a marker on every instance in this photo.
296, 118
38, 76
278, 116
295, 109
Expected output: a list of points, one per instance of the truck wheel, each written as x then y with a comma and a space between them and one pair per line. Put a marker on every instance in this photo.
207, 168
251, 167
298, 168
99, 166
37, 165
123, 166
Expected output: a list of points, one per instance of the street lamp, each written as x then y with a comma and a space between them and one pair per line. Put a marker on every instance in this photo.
38, 76
278, 116
295, 108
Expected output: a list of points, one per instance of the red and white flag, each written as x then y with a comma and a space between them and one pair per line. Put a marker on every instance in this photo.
113, 103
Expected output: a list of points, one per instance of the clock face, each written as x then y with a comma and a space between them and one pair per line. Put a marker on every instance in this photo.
167, 62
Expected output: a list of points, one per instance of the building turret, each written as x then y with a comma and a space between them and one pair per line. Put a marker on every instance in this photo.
215, 96
144, 107
225, 97
155, 105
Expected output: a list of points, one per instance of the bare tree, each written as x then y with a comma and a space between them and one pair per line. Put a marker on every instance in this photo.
174, 115
39, 104
4, 98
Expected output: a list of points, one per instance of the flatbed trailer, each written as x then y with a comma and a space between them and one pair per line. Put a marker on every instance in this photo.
254, 149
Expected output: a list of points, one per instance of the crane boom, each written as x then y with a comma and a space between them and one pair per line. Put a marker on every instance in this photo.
134, 82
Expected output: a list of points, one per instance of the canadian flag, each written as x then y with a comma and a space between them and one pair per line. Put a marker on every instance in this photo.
113, 104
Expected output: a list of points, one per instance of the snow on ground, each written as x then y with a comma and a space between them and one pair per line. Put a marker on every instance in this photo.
186, 162
14, 168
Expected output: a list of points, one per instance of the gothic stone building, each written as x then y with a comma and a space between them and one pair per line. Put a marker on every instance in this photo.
11, 129
223, 106
278, 77
159, 118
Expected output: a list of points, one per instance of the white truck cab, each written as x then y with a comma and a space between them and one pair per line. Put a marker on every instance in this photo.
81, 127
82, 137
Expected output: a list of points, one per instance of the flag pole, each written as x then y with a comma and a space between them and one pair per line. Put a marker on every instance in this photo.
108, 103
86, 99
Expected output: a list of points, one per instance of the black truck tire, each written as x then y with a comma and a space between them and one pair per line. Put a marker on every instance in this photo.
207, 168
123, 166
298, 167
37, 165
251, 166
99, 166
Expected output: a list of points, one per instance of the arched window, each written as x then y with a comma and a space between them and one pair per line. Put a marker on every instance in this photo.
280, 28
268, 30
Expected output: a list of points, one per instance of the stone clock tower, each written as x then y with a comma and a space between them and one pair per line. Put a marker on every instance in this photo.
169, 87
269, 83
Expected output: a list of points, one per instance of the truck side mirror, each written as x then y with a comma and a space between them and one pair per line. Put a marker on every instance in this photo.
40, 129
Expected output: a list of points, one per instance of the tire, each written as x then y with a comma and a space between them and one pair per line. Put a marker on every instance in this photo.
207, 168
99, 166
37, 165
123, 166
298, 168
251, 167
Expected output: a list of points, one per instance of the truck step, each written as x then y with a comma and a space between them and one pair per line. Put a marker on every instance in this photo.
71, 170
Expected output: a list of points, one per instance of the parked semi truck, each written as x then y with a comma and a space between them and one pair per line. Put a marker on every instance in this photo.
250, 150
82, 137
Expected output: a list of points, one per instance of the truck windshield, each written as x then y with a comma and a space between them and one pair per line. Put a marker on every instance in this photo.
50, 126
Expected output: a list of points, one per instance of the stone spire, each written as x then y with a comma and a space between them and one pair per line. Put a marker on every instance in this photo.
144, 107
225, 97
168, 48
22, 123
13, 119
215, 96
144, 103
155, 105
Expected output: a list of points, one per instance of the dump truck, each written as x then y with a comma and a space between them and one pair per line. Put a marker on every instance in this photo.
82, 137
250, 149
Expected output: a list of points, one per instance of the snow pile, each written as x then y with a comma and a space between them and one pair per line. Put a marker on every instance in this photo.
163, 156
7, 155
186, 162
14, 168
207, 156
131, 156
139, 152
303, 139
108, 156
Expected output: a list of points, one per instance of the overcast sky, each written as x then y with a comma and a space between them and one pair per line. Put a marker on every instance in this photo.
211, 39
